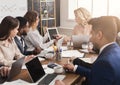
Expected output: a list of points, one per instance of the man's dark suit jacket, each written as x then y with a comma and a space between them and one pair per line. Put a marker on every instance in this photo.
21, 48
106, 69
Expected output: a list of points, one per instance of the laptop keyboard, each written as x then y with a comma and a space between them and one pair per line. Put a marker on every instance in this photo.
47, 79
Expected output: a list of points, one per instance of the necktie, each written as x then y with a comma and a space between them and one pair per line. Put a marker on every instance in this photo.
22, 42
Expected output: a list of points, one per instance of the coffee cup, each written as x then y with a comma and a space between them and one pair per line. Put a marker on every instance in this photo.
84, 45
49, 55
58, 69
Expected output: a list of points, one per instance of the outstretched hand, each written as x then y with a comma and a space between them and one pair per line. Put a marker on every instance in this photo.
28, 58
69, 66
57, 37
36, 51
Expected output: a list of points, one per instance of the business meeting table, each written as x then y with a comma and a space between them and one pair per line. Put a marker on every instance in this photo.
70, 79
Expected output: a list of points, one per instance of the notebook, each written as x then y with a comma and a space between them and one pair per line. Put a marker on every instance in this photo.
15, 70
78, 40
51, 32
38, 75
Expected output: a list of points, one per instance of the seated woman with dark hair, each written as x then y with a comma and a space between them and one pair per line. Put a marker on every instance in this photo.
8, 48
33, 38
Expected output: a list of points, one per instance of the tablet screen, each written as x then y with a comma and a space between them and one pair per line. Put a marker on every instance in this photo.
52, 32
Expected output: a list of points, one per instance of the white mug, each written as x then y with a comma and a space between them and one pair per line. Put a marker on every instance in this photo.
58, 69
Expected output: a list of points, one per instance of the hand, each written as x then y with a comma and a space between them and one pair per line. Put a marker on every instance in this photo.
28, 58
36, 51
4, 71
57, 37
69, 66
58, 82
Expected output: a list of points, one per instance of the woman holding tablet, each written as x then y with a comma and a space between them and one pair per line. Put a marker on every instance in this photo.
33, 38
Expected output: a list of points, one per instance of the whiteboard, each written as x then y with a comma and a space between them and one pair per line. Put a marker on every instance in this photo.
12, 8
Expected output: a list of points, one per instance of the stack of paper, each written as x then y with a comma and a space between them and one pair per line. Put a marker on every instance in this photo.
72, 53
89, 60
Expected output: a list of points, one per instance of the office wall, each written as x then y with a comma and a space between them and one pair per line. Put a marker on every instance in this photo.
64, 22
12, 8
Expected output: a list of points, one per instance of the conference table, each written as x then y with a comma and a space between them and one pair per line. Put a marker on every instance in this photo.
70, 79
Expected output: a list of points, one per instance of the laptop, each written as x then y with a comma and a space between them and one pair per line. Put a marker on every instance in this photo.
78, 40
15, 70
52, 32
38, 75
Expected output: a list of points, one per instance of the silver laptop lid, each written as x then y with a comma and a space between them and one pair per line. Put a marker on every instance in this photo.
78, 40
16, 68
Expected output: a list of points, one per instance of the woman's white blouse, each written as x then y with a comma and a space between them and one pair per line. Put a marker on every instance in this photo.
8, 53
34, 39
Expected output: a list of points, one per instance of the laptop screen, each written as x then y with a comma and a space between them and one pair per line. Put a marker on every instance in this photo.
52, 32
35, 69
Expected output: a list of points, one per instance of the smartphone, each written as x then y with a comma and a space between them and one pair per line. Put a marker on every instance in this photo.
52, 65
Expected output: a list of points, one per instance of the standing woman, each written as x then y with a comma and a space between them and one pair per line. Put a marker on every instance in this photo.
8, 49
33, 38
82, 16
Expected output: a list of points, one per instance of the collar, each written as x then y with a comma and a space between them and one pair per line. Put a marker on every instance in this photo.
101, 49
18, 37
7, 42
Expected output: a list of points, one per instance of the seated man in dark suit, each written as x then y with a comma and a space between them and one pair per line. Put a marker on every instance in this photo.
19, 39
105, 70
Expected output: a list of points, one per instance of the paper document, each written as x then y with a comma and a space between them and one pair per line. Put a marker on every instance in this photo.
24, 67
49, 49
41, 59
42, 53
84, 50
47, 69
72, 53
89, 60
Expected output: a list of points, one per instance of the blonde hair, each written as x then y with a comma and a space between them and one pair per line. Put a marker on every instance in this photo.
83, 13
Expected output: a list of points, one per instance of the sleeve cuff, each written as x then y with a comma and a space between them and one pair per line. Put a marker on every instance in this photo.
75, 68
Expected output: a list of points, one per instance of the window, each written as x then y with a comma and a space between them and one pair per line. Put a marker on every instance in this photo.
86, 4
95, 7
99, 8
72, 6
114, 7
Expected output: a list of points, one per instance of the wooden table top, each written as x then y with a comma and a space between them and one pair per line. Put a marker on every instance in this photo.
70, 79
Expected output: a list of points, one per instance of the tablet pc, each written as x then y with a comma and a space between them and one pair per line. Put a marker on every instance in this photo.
52, 32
